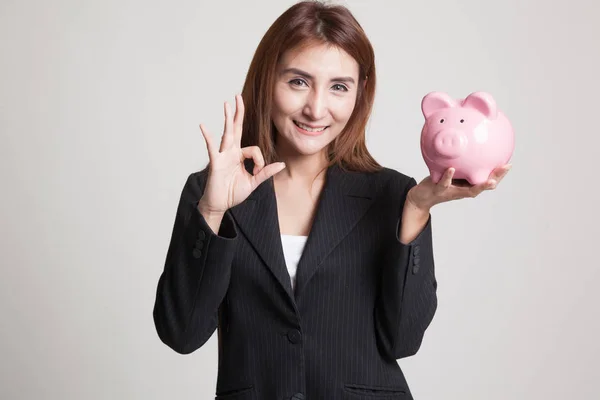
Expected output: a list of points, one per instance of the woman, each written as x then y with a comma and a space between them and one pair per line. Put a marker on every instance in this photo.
314, 262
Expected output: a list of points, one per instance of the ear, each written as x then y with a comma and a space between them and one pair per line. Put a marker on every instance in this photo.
482, 102
435, 101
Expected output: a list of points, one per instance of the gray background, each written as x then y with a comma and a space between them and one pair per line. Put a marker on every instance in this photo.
100, 103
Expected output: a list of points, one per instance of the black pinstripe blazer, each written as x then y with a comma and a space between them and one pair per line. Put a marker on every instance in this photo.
362, 299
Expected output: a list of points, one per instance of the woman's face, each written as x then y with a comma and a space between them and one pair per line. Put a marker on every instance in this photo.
315, 88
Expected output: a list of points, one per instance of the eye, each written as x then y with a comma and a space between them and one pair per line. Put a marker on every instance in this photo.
297, 80
462, 120
343, 88
442, 121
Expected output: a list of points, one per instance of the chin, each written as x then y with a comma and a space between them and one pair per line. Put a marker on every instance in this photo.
306, 149
311, 145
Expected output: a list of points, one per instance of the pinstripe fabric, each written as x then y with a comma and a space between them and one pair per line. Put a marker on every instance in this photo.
362, 300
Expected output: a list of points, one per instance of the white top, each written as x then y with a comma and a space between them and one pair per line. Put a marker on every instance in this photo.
292, 250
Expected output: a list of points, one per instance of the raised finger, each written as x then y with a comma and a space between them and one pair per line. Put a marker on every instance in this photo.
227, 138
238, 123
475, 190
500, 171
446, 179
503, 172
210, 146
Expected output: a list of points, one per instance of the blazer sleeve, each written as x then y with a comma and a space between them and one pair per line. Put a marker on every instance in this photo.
407, 299
196, 273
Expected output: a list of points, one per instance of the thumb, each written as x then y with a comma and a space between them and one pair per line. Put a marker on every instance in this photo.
267, 172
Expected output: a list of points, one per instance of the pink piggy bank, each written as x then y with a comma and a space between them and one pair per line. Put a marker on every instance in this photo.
470, 135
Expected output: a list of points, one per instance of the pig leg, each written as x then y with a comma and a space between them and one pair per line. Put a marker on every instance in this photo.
477, 177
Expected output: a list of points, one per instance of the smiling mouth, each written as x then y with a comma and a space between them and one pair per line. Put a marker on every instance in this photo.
308, 128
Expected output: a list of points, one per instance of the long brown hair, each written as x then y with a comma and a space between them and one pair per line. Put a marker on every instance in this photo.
304, 24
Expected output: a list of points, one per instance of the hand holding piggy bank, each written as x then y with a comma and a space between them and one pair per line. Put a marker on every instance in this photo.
470, 135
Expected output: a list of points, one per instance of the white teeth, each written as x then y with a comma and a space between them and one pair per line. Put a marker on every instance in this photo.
307, 128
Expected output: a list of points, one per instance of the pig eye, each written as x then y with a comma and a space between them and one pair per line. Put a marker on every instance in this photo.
442, 121
462, 120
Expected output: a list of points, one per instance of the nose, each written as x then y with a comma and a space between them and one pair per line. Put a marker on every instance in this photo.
450, 143
316, 105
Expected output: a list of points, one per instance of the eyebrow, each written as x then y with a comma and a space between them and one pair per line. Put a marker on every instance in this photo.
308, 76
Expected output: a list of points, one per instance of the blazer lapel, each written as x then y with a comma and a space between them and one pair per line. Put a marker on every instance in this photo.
257, 218
345, 198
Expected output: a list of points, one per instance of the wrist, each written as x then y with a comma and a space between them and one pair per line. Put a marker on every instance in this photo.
207, 211
414, 219
414, 204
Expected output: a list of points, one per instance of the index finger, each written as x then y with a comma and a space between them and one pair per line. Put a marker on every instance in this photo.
238, 121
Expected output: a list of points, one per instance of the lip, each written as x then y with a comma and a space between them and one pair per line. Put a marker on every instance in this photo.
305, 132
311, 126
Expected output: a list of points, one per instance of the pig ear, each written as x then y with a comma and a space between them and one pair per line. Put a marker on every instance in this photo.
482, 102
435, 101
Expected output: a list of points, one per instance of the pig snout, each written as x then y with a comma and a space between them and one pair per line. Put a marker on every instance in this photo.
450, 143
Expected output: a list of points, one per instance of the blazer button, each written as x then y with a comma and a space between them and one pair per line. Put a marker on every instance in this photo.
201, 235
197, 253
294, 336
415, 269
416, 250
199, 244
416, 260
298, 396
